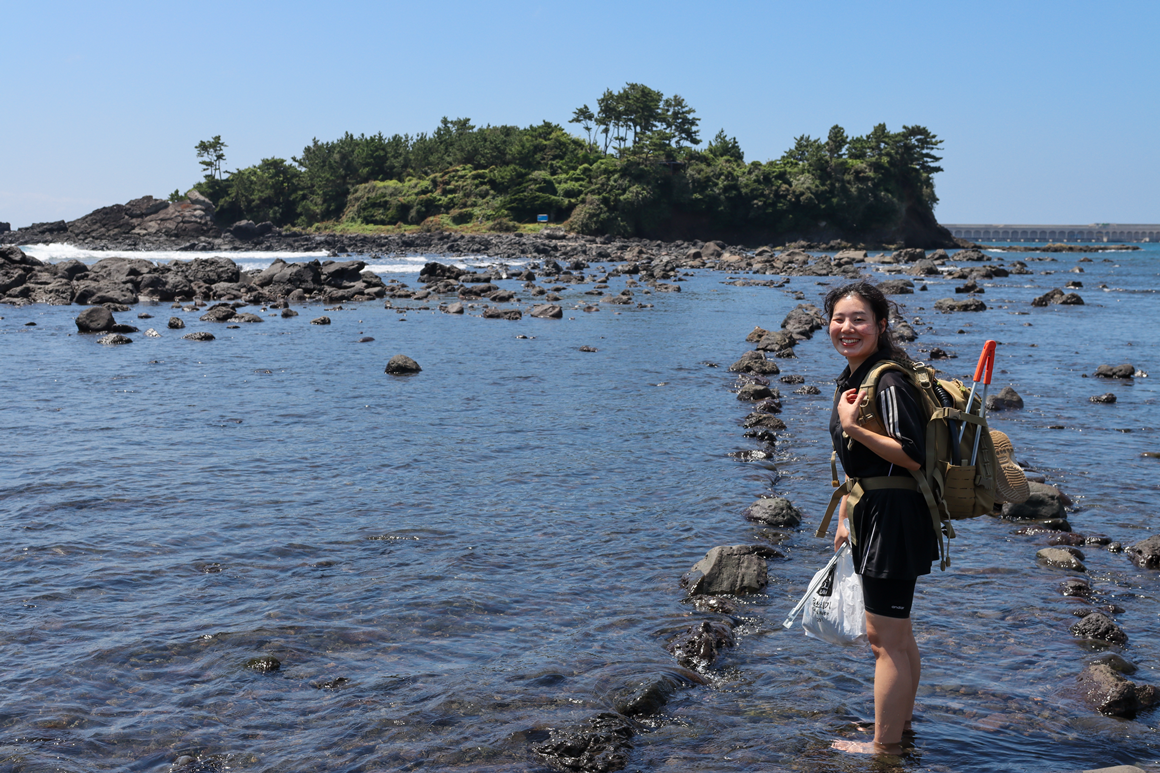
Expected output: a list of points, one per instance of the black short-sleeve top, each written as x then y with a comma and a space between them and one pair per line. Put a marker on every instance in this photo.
895, 535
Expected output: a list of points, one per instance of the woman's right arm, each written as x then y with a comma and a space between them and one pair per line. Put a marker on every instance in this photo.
842, 533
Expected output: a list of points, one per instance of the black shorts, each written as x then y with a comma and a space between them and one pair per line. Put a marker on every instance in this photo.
888, 597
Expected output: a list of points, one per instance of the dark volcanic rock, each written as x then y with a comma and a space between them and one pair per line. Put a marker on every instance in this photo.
1107, 397
114, 339
510, 314
221, 312
402, 365
96, 319
646, 696
1006, 399
1097, 625
176, 323
200, 335
599, 745
320, 321
967, 304
1146, 554
1062, 557
774, 511
1127, 370
1109, 692
729, 570
265, 664
896, 286
698, 647
1045, 502
754, 392
755, 362
547, 311
803, 320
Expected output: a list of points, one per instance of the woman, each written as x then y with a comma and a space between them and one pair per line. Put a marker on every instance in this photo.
893, 538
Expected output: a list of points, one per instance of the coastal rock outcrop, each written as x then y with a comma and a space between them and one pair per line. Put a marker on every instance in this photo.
1109, 692
729, 570
96, 319
1127, 370
1006, 399
402, 365
1146, 554
774, 511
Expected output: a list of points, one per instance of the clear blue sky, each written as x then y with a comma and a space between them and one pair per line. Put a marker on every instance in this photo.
1048, 110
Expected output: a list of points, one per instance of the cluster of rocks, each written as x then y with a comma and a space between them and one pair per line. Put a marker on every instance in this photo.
1103, 683
1058, 297
124, 281
602, 742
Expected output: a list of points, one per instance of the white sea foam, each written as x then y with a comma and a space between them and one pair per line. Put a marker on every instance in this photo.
402, 264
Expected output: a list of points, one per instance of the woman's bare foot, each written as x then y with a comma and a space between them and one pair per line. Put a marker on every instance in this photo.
866, 747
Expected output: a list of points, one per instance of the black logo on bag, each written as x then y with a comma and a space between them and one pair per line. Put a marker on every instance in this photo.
827, 586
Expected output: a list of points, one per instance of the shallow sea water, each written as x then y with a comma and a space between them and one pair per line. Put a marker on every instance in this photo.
448, 564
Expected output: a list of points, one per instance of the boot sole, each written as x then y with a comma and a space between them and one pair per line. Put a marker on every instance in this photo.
1010, 483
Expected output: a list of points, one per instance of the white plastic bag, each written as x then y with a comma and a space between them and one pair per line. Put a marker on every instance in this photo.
834, 609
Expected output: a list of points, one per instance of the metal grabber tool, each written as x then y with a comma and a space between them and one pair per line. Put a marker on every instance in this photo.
982, 373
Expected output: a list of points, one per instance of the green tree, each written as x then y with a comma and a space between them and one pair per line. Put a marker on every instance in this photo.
680, 120
586, 118
266, 192
836, 142
212, 154
725, 147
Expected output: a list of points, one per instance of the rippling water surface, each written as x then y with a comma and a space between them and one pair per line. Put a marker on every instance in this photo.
448, 564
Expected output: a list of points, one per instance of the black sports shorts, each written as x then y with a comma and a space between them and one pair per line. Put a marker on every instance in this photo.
888, 597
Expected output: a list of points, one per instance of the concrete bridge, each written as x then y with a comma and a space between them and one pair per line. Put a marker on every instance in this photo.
1096, 232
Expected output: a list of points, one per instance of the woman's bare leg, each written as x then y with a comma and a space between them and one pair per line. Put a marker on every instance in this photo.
897, 669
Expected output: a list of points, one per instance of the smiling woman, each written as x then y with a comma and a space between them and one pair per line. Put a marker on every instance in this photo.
889, 529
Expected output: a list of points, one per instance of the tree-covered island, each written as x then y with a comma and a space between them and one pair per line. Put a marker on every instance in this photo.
639, 169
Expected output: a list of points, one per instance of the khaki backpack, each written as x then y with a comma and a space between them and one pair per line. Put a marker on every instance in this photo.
953, 488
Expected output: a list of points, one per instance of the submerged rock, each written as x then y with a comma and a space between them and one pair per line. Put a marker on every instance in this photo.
1110, 692
264, 664
647, 695
114, 339
599, 745
698, 647
1107, 397
1064, 558
200, 335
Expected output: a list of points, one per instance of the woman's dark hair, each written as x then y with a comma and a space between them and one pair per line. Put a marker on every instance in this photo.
879, 307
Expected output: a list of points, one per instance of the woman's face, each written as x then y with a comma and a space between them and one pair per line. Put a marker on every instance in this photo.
854, 331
